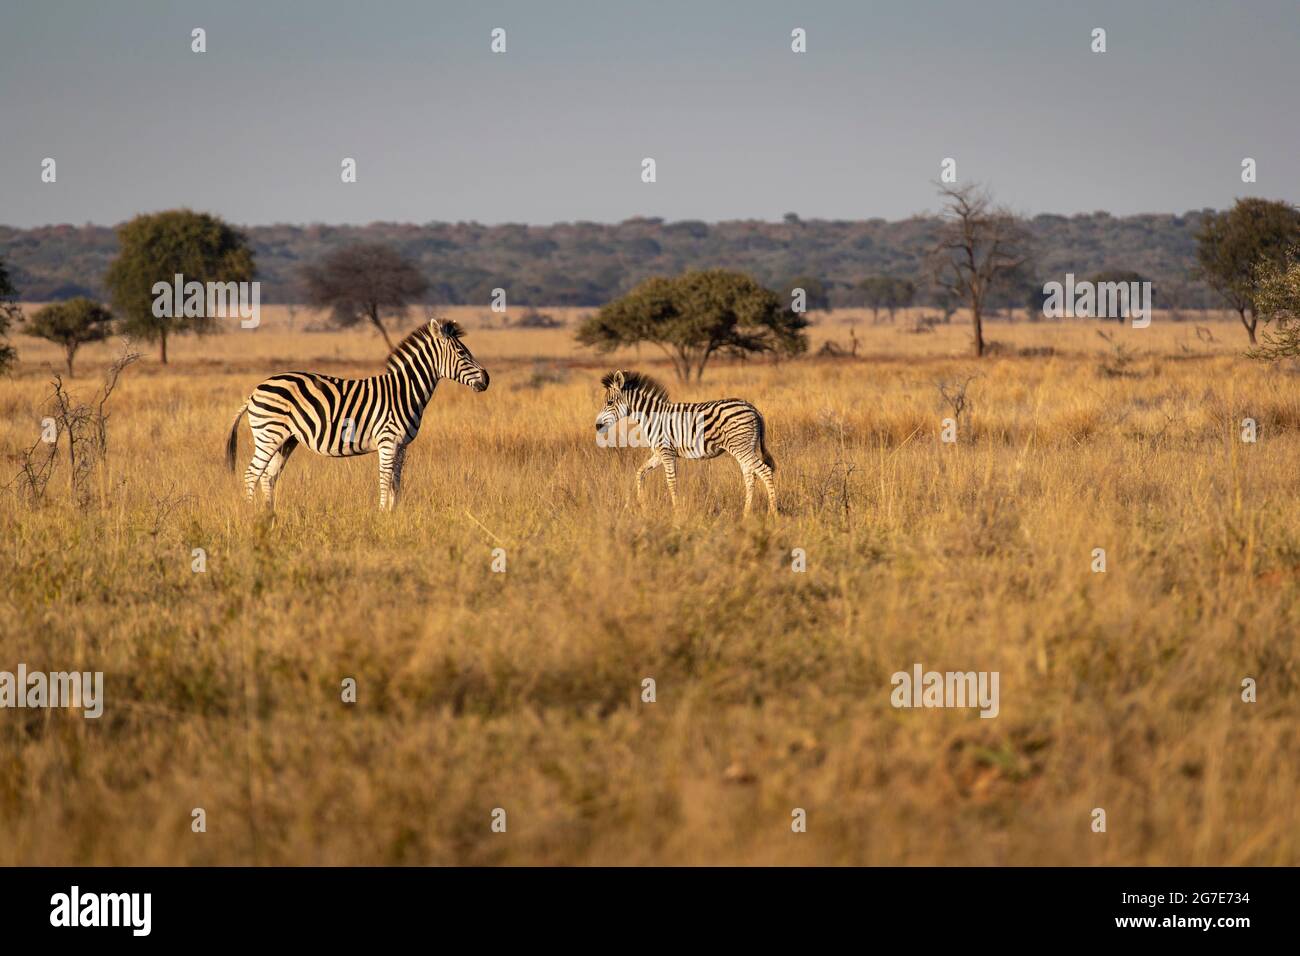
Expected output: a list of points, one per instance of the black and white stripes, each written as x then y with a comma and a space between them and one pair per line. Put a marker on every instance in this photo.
674, 430
341, 417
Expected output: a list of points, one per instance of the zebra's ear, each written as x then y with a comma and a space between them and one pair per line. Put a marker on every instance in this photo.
612, 380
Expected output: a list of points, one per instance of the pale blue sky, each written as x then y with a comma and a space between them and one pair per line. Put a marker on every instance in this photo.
555, 129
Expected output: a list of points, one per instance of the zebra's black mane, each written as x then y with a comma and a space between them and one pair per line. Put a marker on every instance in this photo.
423, 333
451, 329
638, 382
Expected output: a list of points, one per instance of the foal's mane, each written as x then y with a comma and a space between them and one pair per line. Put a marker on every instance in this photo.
638, 382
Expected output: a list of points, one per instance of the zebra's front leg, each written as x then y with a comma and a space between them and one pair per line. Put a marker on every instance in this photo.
644, 470
387, 454
399, 459
669, 462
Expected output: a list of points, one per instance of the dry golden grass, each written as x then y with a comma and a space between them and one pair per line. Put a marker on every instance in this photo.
522, 690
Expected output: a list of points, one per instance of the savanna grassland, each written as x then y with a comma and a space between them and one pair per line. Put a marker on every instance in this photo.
522, 690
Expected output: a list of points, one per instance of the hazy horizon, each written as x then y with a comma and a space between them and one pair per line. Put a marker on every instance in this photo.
554, 130
574, 222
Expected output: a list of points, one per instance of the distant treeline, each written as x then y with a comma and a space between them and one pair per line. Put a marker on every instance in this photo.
588, 264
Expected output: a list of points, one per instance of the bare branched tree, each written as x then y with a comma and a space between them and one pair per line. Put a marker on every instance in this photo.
978, 246
954, 396
83, 426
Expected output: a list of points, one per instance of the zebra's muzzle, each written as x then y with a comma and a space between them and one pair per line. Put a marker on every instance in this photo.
482, 383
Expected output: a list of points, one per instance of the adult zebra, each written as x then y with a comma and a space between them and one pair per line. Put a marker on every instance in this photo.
342, 417
675, 430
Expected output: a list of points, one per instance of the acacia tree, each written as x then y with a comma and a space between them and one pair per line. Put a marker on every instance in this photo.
943, 299
71, 324
901, 295
1277, 297
696, 316
157, 247
888, 293
875, 292
9, 313
367, 281
979, 247
1233, 245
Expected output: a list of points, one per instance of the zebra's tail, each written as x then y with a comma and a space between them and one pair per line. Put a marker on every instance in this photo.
762, 444
232, 443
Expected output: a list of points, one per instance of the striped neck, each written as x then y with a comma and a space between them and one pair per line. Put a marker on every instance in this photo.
644, 403
414, 366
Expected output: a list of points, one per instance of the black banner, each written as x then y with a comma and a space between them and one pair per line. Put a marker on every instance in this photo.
330, 906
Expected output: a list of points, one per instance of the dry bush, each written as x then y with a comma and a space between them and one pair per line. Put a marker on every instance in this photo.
80, 429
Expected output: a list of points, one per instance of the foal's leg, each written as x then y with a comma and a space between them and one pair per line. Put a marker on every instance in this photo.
765, 475
669, 461
644, 470
748, 474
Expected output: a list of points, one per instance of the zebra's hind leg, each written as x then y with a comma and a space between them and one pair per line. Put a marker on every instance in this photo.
267, 442
748, 474
274, 468
764, 473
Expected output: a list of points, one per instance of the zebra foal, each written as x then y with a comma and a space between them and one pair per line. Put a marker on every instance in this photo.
674, 430
342, 417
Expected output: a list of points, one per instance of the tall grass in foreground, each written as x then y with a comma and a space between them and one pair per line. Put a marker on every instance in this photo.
522, 690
